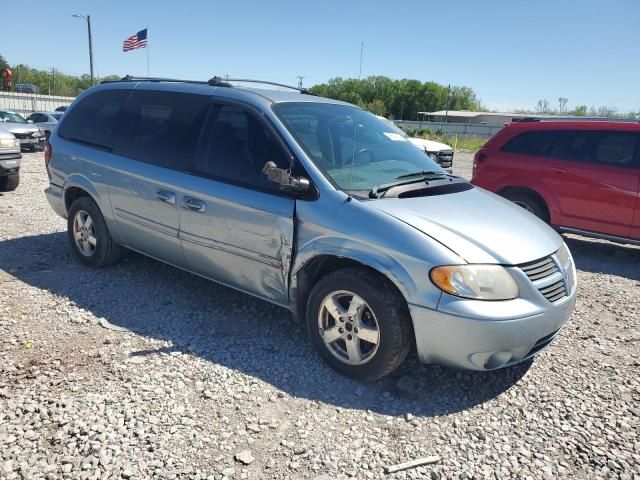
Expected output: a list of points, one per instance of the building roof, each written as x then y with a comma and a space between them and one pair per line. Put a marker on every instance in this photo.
469, 114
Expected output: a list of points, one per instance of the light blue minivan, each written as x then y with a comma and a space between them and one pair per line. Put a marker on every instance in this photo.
317, 206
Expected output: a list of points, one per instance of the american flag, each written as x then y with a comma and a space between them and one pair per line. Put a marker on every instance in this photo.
139, 40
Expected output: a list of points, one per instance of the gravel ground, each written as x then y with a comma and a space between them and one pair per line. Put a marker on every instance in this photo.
142, 370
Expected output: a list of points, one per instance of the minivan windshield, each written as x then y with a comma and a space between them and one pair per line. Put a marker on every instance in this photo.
351, 146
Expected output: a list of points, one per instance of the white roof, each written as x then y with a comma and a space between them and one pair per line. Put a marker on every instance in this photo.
469, 114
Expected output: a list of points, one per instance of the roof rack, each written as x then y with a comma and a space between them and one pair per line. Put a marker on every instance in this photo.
131, 78
214, 82
224, 82
575, 119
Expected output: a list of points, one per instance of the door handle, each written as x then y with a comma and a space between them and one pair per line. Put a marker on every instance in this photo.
166, 196
193, 204
558, 170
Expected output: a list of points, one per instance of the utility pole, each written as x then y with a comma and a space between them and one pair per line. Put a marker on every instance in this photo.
88, 18
300, 77
361, 50
446, 112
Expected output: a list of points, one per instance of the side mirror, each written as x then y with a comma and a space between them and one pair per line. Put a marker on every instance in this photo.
29, 121
287, 182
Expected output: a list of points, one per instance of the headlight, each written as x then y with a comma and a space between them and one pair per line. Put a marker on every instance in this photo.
434, 156
9, 143
478, 282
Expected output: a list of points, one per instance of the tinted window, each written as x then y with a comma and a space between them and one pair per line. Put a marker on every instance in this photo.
236, 145
162, 127
531, 143
607, 148
94, 120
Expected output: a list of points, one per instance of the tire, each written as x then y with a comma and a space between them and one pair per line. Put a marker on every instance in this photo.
9, 183
384, 310
529, 203
103, 250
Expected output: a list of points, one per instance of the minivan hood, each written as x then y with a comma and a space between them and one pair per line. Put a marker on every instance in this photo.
477, 225
429, 145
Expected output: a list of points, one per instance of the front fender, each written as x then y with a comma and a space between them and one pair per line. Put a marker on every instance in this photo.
367, 255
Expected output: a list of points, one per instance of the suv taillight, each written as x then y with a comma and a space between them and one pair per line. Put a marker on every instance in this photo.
47, 155
480, 156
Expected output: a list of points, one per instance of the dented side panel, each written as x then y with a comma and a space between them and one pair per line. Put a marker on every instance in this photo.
242, 239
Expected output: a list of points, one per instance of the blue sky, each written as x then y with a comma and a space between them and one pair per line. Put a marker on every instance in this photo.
511, 52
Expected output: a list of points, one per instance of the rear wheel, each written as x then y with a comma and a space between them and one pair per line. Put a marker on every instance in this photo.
9, 183
88, 234
359, 324
530, 204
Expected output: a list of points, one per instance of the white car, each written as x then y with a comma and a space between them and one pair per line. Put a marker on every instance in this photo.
46, 121
439, 152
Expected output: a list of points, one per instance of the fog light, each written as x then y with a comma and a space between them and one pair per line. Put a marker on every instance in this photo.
498, 359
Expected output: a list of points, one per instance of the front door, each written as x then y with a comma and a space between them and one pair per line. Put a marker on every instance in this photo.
594, 178
236, 227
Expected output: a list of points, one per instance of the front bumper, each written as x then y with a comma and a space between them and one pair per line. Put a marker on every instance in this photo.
486, 343
9, 163
55, 197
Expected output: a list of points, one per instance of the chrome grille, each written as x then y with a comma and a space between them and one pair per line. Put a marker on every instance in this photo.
540, 270
555, 291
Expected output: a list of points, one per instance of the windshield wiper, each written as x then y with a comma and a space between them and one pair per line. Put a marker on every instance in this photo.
379, 190
423, 173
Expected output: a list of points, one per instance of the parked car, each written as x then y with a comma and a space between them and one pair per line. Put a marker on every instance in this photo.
439, 152
26, 88
580, 176
46, 121
29, 135
317, 206
10, 159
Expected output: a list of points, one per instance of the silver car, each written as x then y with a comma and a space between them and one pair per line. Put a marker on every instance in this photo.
46, 121
314, 205
29, 135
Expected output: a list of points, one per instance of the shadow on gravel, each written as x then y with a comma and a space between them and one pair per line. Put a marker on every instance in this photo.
599, 256
229, 328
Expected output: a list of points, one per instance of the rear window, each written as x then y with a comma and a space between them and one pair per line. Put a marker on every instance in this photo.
535, 143
95, 119
162, 128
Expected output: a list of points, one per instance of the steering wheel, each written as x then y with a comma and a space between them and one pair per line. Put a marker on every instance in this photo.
360, 152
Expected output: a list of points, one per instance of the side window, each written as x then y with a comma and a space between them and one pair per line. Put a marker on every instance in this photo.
535, 143
606, 148
33, 117
94, 120
616, 149
235, 147
162, 128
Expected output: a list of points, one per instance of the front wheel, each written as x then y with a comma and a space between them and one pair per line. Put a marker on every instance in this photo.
9, 183
359, 323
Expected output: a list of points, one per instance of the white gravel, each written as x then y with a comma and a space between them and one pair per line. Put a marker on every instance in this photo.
206, 382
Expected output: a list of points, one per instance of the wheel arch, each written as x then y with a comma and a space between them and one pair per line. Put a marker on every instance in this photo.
313, 267
530, 192
78, 186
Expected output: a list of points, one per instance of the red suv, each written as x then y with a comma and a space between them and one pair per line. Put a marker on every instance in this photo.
580, 176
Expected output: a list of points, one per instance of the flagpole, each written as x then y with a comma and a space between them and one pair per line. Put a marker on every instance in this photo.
147, 51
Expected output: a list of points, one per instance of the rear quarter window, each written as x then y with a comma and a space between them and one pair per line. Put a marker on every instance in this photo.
95, 119
536, 143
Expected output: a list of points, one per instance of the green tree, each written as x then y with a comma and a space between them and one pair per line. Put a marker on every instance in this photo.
579, 111
3, 62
